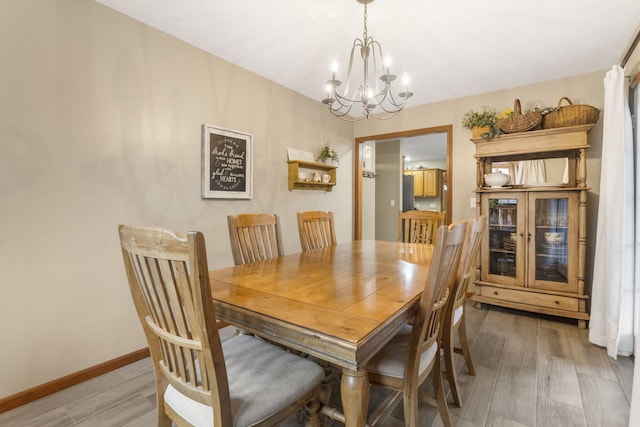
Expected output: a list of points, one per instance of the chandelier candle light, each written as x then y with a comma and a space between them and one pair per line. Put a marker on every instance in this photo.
371, 93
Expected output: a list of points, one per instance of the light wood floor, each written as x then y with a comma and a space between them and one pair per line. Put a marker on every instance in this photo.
530, 371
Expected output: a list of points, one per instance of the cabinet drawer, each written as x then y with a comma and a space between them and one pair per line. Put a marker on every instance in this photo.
532, 298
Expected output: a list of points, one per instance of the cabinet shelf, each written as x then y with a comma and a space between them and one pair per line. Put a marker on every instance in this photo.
502, 251
310, 168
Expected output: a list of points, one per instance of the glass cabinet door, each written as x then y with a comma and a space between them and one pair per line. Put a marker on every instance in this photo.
553, 241
505, 255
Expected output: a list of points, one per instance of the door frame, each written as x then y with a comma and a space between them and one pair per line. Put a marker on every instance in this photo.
357, 169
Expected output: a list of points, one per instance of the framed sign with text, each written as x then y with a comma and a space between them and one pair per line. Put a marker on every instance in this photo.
227, 164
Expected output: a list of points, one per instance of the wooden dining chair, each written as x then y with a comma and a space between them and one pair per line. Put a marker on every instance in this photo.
419, 226
254, 237
316, 230
199, 380
454, 318
404, 363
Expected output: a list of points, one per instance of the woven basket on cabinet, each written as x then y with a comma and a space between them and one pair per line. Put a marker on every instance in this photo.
519, 122
570, 115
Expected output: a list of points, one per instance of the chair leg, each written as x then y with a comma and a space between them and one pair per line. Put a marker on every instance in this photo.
440, 397
313, 413
450, 368
410, 402
464, 344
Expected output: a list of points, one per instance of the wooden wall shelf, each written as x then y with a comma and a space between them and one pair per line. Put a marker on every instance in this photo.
297, 166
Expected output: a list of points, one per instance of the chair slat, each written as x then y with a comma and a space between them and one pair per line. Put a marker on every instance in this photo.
316, 230
419, 226
254, 237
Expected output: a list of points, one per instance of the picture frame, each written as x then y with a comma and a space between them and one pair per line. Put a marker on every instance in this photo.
227, 163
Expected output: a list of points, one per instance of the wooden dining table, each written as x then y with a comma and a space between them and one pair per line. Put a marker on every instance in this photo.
340, 304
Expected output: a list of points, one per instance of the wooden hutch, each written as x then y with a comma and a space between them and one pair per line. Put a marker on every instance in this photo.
533, 252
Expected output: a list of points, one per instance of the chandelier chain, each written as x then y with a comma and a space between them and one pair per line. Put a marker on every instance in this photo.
365, 22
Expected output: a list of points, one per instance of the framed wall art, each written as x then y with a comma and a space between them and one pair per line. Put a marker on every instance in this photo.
227, 163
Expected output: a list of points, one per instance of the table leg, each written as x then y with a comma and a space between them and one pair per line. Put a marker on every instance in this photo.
354, 388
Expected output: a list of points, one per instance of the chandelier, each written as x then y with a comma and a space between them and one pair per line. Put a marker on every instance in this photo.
374, 93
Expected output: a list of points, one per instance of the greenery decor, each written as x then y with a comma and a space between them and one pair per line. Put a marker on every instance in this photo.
328, 152
487, 118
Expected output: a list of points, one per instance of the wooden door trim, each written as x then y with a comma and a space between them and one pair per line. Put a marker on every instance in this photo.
357, 169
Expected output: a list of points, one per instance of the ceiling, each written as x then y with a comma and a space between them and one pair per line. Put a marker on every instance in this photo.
448, 48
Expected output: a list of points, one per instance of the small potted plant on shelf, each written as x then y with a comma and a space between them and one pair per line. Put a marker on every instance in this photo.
328, 155
482, 123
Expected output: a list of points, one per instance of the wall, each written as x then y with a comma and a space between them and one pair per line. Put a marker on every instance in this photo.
388, 189
369, 198
100, 124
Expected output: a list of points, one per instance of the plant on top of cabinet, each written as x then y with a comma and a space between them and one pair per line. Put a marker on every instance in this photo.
482, 123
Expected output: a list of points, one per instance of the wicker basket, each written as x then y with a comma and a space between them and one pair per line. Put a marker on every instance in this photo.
519, 122
570, 115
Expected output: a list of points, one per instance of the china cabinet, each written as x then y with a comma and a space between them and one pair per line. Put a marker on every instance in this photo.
302, 173
533, 252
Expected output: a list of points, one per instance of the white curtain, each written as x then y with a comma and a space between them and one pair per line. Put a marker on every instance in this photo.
634, 418
530, 172
614, 275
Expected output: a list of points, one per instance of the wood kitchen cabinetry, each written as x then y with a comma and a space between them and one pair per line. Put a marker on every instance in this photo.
426, 182
533, 252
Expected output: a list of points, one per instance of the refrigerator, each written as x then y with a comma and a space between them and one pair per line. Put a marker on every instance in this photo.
407, 193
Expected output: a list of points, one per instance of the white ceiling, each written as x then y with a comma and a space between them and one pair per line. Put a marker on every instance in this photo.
449, 48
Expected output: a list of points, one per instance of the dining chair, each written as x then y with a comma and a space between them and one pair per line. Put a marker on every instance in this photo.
404, 363
316, 230
243, 381
419, 226
254, 237
454, 318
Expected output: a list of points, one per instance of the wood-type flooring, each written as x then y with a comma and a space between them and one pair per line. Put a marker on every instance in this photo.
531, 370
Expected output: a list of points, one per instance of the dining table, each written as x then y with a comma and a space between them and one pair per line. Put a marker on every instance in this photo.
339, 304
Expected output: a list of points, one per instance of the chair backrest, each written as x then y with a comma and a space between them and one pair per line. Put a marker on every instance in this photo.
448, 245
475, 231
316, 230
254, 237
169, 283
419, 226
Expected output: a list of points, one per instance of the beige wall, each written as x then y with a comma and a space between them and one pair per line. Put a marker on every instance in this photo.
100, 121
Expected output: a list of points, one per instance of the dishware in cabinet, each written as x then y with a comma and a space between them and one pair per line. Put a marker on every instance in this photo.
553, 242
504, 240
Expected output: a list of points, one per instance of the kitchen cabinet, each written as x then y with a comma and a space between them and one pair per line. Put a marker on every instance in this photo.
533, 251
426, 182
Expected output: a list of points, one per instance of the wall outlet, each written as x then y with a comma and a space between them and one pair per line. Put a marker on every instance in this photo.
472, 202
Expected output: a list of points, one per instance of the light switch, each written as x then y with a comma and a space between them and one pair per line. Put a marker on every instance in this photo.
472, 202
393, 203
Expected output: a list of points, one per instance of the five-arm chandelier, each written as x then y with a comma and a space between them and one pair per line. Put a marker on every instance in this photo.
374, 93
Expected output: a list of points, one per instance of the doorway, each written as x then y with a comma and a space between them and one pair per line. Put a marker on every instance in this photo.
358, 169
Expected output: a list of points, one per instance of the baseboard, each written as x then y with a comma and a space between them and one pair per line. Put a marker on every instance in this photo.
67, 381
